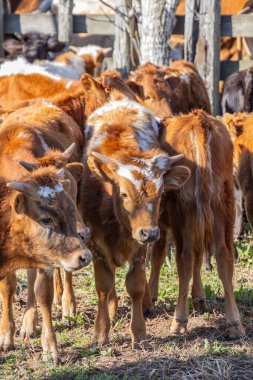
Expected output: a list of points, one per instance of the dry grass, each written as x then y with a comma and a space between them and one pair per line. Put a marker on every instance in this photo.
203, 353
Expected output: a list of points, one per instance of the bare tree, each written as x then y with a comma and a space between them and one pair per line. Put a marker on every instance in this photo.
158, 21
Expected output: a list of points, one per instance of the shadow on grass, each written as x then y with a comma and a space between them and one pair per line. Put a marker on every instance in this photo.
204, 367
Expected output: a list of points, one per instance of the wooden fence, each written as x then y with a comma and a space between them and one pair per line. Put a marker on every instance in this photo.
66, 25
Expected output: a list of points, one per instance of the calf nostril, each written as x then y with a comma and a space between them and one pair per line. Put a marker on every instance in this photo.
85, 235
85, 258
144, 233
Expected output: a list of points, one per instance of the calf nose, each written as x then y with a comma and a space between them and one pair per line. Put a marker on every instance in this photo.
84, 233
85, 258
149, 235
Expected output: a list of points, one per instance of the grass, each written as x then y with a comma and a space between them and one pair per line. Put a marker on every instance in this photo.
203, 353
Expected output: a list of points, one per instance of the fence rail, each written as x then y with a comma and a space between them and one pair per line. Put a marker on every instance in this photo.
97, 25
231, 26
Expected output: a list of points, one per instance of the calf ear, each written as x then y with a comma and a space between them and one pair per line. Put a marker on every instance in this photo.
76, 170
100, 168
18, 203
176, 177
66, 184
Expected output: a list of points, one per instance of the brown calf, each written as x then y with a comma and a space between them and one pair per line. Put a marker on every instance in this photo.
178, 88
121, 190
201, 214
19, 90
28, 134
240, 127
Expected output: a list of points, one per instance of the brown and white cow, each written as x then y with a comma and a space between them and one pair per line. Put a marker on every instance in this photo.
124, 178
92, 57
41, 205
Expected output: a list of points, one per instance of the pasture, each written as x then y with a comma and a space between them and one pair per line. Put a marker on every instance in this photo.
203, 353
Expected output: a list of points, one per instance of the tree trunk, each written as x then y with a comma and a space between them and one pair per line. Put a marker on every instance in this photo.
191, 29
121, 51
158, 21
208, 49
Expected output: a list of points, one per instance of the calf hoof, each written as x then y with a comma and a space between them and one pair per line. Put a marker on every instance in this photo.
142, 345
236, 330
99, 340
178, 327
28, 329
46, 355
7, 339
199, 305
149, 312
8, 347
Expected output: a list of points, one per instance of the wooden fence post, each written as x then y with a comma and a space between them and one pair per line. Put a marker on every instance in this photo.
121, 49
1, 28
208, 49
65, 21
191, 29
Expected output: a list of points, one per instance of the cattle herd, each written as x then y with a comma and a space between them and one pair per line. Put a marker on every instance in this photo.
97, 168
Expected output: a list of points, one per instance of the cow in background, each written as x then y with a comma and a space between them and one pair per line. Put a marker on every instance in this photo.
237, 93
170, 90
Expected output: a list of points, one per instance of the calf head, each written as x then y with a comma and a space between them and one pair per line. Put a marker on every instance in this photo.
152, 91
45, 223
138, 182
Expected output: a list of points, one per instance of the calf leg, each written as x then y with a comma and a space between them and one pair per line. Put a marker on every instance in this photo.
104, 278
157, 259
135, 284
225, 263
248, 201
31, 315
184, 259
68, 297
198, 293
44, 291
113, 303
58, 287
7, 324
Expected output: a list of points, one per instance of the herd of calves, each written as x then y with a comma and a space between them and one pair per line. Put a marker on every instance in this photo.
100, 169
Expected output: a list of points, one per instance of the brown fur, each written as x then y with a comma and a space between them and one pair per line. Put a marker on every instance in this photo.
200, 214
18, 90
180, 85
240, 127
123, 210
21, 135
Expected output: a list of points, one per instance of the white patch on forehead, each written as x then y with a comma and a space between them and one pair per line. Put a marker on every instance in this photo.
21, 66
43, 142
146, 172
126, 172
49, 192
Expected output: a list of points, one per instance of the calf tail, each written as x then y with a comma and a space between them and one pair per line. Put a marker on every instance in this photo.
201, 136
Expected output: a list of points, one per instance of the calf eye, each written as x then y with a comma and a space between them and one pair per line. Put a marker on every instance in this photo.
124, 196
46, 221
